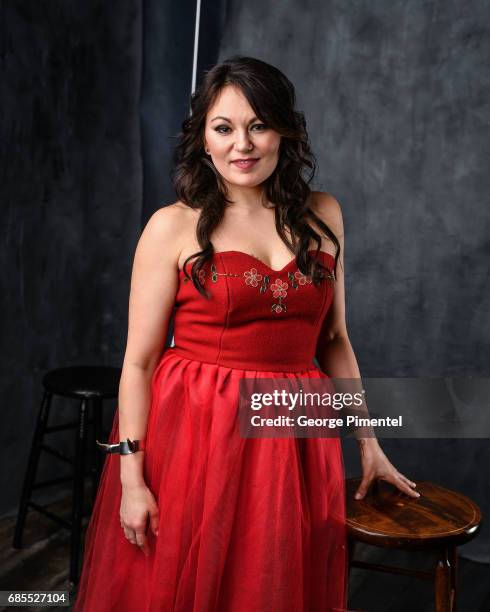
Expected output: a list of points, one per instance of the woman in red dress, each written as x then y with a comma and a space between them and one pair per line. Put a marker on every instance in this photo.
202, 519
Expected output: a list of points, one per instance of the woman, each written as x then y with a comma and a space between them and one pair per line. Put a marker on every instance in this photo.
203, 519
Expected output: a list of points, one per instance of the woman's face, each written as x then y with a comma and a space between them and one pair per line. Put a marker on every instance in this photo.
233, 132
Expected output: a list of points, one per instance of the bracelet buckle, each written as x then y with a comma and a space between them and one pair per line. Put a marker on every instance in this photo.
125, 447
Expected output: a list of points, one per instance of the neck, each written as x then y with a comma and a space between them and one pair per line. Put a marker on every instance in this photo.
246, 199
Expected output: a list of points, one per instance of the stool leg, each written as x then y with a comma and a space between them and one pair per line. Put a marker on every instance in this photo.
78, 490
351, 547
32, 466
453, 560
97, 453
443, 583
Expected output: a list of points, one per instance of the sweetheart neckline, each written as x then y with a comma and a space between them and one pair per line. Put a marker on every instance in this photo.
263, 263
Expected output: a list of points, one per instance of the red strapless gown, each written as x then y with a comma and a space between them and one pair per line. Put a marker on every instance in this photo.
246, 524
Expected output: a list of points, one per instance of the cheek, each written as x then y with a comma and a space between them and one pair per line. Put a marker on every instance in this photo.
271, 146
218, 146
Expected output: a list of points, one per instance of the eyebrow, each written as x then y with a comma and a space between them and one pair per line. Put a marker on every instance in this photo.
229, 120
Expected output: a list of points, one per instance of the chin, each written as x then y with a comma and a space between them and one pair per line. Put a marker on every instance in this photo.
247, 181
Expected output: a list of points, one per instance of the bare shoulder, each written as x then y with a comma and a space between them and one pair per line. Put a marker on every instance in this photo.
170, 218
167, 229
327, 207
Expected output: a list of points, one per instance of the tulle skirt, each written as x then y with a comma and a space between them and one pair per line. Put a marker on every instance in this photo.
245, 524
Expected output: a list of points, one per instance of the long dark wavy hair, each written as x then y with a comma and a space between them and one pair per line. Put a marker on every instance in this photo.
200, 186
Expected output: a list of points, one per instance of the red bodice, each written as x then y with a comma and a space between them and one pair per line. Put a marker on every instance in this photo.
256, 317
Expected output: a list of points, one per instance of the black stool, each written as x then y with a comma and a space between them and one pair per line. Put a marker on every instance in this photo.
91, 385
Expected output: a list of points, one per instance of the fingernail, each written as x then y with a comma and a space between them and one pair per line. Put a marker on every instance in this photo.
358, 496
418, 494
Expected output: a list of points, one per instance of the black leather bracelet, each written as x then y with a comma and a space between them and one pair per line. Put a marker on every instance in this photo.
125, 447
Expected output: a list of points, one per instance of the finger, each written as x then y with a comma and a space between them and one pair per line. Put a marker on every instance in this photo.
130, 535
409, 482
363, 488
141, 540
154, 523
146, 548
403, 486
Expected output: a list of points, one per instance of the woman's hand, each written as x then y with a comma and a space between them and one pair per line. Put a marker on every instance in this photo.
375, 466
137, 506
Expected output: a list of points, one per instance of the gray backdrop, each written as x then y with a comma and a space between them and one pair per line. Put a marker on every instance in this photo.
396, 99
71, 193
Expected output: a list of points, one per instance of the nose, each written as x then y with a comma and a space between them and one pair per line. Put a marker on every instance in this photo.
244, 142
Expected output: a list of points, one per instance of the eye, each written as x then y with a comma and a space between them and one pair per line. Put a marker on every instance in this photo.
219, 129
223, 129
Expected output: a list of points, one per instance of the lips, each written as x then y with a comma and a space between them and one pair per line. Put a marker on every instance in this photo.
245, 163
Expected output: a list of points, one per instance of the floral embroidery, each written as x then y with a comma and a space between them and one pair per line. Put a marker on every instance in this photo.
279, 290
201, 275
278, 287
303, 278
252, 277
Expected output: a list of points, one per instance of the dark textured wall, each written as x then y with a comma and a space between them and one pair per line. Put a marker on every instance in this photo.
166, 86
396, 99
70, 205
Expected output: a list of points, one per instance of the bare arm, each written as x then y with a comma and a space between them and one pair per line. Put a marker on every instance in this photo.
334, 350
154, 282
336, 357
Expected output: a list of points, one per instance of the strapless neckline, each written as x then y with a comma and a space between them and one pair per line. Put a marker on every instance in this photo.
260, 262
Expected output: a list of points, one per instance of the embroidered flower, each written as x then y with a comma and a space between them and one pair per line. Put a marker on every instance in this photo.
252, 277
279, 288
279, 307
201, 275
302, 278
